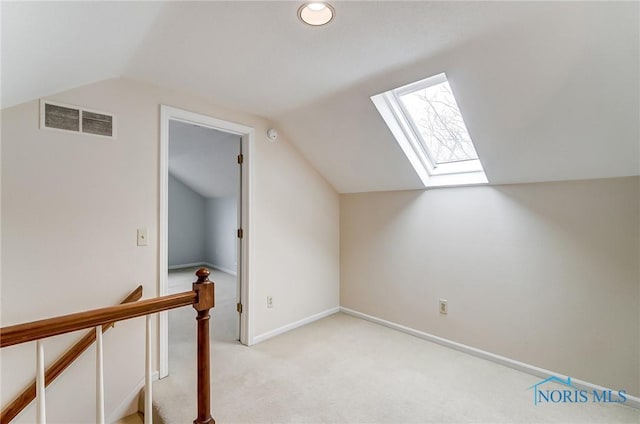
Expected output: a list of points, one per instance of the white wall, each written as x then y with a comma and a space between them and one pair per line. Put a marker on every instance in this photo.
187, 221
70, 208
545, 273
220, 232
202, 230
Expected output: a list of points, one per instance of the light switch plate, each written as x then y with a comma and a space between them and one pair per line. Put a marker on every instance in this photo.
444, 306
142, 236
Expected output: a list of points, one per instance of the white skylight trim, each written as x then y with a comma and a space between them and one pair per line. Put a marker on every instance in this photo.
425, 119
434, 114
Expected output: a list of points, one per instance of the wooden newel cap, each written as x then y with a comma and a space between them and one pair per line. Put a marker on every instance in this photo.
203, 275
204, 288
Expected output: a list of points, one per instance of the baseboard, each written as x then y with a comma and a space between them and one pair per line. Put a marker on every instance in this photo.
172, 267
207, 264
129, 404
223, 269
294, 325
632, 401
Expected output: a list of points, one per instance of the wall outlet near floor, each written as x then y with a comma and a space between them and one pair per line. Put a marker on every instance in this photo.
269, 302
444, 308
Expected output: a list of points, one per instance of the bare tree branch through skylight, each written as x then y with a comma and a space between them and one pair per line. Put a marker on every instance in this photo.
436, 116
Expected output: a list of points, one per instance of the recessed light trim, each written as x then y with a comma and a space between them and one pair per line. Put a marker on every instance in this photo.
316, 13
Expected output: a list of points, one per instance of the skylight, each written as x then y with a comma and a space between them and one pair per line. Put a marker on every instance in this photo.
425, 119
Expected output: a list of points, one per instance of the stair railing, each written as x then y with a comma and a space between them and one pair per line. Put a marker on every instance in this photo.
62, 363
201, 297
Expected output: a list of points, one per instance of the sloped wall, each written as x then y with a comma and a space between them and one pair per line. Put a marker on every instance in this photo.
220, 229
187, 223
71, 205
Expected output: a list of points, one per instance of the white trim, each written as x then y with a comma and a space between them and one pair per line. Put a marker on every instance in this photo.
425, 83
246, 287
192, 264
100, 376
148, 372
207, 264
168, 113
222, 269
385, 108
163, 245
404, 130
129, 404
41, 405
294, 325
464, 166
632, 401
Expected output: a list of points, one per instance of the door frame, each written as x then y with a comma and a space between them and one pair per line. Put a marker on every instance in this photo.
247, 134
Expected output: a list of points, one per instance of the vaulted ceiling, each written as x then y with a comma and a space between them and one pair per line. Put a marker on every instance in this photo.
204, 159
549, 90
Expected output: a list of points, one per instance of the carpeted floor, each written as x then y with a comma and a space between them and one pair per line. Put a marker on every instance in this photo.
225, 322
346, 370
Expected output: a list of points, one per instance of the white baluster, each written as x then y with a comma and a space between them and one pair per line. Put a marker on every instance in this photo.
99, 377
147, 375
41, 414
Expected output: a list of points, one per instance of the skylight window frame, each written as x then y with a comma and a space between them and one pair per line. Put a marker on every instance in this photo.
418, 86
406, 116
399, 121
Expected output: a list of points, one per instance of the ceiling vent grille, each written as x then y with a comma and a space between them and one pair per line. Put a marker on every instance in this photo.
62, 117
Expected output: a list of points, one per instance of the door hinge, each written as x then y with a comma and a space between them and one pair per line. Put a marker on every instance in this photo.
240, 233
240, 159
239, 308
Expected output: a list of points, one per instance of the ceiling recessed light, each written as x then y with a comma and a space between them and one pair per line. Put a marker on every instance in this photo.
316, 13
316, 7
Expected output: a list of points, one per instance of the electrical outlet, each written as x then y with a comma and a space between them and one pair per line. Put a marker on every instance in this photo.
269, 302
444, 308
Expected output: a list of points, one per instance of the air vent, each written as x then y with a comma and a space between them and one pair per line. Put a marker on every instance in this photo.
62, 118
97, 123
58, 116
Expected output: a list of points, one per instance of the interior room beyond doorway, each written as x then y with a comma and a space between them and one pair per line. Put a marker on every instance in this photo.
203, 217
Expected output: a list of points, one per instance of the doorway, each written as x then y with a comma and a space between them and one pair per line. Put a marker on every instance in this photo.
203, 223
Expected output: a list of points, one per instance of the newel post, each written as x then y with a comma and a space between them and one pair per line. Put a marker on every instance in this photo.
205, 301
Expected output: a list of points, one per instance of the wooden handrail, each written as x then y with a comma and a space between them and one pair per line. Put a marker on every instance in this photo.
36, 330
202, 299
61, 364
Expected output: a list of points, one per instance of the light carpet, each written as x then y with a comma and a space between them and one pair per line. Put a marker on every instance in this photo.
346, 370
225, 322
